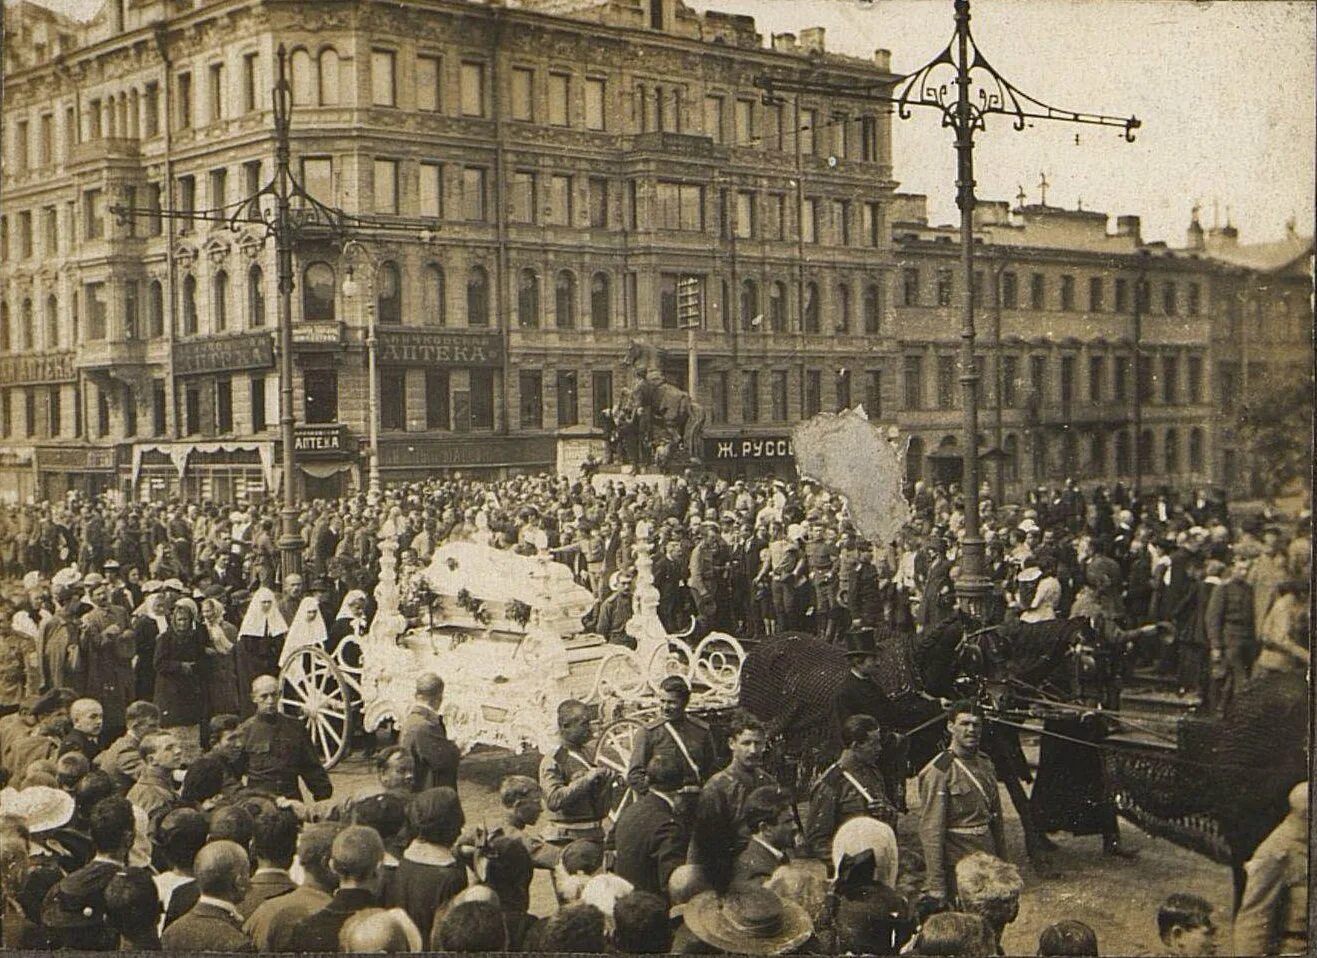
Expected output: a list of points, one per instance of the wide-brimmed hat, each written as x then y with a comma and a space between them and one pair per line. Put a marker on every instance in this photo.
861, 642
1030, 573
41, 807
748, 920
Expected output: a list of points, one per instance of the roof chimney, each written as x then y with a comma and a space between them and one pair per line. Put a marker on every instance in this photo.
811, 39
882, 59
1130, 226
1194, 235
784, 42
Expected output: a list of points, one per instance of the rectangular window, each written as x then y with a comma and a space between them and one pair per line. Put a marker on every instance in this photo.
523, 97
1010, 290
1095, 286
223, 406
559, 206
745, 214
531, 390
1067, 293
1067, 380
1122, 302
321, 387
386, 186
438, 414
601, 394
191, 410
521, 197
1038, 378
946, 382
869, 224
383, 89
873, 394
809, 121
598, 202
1227, 380
1097, 374
46, 140
910, 286
1195, 380
93, 214
429, 92
713, 118
680, 206
809, 221
318, 177
841, 222
152, 111
778, 127
559, 99
216, 92
1169, 305
594, 104
257, 395
746, 134
1194, 303
718, 397
473, 193
432, 190
812, 399
219, 182
774, 216
393, 400
749, 395
251, 177
1037, 291
1120, 384
187, 202
914, 382
25, 244
50, 226
158, 406
568, 398
482, 399
1146, 377
473, 89
53, 411
946, 280
1170, 380
250, 83
184, 104
779, 390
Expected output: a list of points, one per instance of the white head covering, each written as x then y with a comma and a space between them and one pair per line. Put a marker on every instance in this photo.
308, 628
256, 621
221, 642
344, 607
868, 834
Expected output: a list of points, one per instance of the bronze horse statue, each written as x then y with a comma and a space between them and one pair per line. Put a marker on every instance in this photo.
670, 424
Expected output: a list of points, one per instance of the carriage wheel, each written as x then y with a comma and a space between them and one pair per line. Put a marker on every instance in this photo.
317, 693
613, 751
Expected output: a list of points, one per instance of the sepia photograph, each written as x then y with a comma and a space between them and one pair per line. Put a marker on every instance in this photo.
750, 477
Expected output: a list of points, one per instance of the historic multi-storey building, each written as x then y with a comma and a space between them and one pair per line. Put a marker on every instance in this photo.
574, 166
1102, 356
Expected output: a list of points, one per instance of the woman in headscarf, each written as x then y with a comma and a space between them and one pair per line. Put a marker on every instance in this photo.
307, 628
150, 621
260, 637
869, 915
350, 621
179, 667
220, 692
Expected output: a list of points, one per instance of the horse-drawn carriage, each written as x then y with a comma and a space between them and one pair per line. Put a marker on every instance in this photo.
504, 631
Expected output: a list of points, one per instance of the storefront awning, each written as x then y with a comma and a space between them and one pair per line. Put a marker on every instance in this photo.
323, 470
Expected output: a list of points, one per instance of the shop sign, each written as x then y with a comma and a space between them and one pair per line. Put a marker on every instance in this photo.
317, 441
318, 334
748, 447
470, 452
48, 368
58, 457
224, 353
423, 347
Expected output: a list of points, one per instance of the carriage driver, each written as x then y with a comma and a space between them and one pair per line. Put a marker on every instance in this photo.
686, 739
960, 809
860, 694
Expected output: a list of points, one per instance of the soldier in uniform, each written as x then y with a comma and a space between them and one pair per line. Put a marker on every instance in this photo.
675, 733
108, 647
615, 611
707, 566
851, 787
275, 749
821, 560
577, 792
960, 809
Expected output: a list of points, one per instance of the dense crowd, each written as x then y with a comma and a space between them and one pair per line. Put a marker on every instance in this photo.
157, 797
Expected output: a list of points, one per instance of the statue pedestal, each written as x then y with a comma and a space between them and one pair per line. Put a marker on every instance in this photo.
577, 444
630, 479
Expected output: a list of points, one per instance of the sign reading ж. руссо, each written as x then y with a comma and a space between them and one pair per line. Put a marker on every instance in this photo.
426, 347
225, 353
748, 447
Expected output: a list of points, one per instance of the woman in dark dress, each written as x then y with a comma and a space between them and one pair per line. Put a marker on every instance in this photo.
430, 874
220, 676
179, 667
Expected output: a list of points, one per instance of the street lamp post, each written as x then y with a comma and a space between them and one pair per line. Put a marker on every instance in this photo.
930, 86
351, 288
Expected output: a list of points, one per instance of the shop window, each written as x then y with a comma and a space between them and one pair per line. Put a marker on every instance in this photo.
393, 400
321, 387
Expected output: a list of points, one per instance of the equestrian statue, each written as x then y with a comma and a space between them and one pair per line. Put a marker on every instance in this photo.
658, 423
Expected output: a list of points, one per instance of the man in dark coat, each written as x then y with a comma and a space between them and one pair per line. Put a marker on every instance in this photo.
650, 835
860, 694
107, 652
670, 580
73, 911
275, 750
615, 610
356, 857
676, 734
214, 923
88, 722
423, 734
1231, 631
771, 821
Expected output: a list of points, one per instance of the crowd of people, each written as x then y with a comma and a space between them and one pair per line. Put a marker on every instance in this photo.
156, 797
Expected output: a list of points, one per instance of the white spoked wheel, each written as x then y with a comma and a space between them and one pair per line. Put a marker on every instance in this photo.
613, 752
718, 661
349, 648
619, 676
316, 693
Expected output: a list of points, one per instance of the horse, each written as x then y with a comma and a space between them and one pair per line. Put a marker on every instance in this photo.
668, 419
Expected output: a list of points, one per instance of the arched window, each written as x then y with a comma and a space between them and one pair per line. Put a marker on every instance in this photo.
1011, 463
750, 305
528, 299
155, 304
601, 301
303, 78
914, 460
1196, 449
388, 295
1171, 452
220, 301
4, 327
871, 315
318, 293
810, 319
777, 307
52, 322
1145, 451
477, 297
843, 308
1039, 456
27, 327
432, 295
189, 305
1123, 453
255, 297
564, 300
329, 77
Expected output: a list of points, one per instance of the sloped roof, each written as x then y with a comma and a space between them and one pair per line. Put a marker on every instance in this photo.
1264, 257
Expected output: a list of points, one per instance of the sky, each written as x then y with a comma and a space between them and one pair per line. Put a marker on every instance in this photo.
1226, 91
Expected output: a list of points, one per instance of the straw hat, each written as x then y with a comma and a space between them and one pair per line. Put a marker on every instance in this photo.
748, 920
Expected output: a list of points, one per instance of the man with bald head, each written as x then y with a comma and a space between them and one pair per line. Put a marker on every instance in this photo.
424, 736
275, 750
214, 924
88, 720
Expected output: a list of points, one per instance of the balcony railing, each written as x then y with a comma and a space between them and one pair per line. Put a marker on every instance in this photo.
104, 353
105, 149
